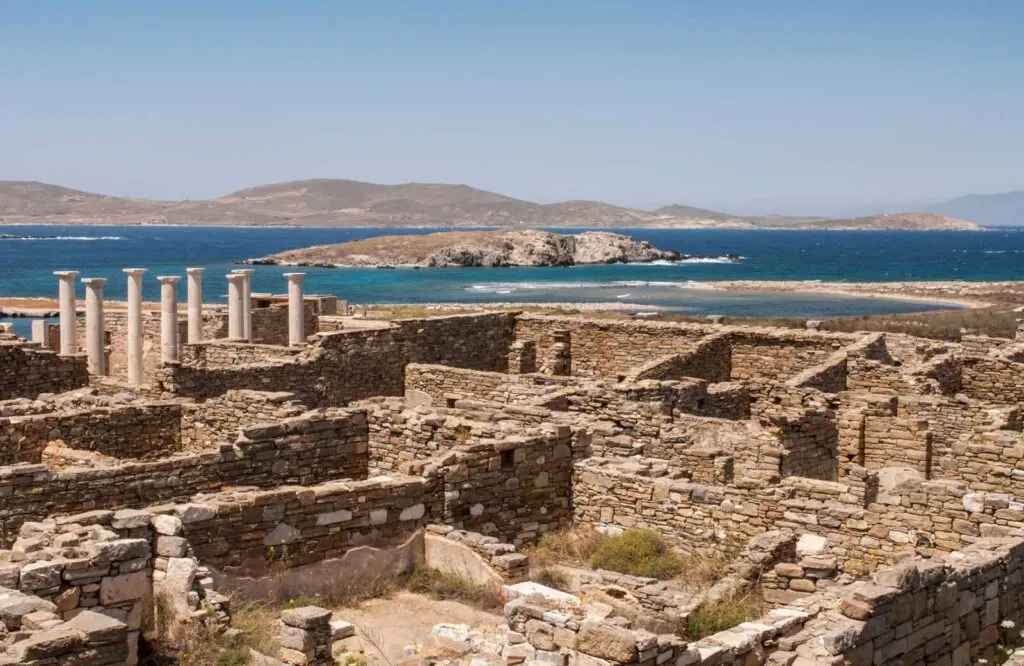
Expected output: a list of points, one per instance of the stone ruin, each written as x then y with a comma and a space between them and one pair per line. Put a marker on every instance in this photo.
873, 483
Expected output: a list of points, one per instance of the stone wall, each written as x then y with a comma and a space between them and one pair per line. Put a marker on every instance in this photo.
347, 365
270, 325
443, 384
305, 450
869, 519
605, 348
230, 354
248, 533
950, 611
515, 488
26, 371
993, 379
220, 420
710, 359
141, 431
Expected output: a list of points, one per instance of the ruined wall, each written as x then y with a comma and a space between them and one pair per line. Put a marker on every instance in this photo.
26, 371
252, 533
305, 450
993, 379
804, 423
442, 384
603, 348
779, 353
344, 366
516, 488
949, 611
863, 521
710, 359
220, 420
270, 325
142, 431
228, 354
828, 376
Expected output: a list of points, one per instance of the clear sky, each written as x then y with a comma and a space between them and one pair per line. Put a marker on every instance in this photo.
822, 106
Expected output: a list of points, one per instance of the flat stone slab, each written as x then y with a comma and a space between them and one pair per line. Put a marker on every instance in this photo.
530, 589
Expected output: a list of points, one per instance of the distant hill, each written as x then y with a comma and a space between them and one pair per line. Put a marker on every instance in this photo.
898, 221
1006, 209
680, 210
349, 203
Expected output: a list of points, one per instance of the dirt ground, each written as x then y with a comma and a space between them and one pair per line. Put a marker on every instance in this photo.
404, 619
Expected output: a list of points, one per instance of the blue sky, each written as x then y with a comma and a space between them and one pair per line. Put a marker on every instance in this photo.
749, 106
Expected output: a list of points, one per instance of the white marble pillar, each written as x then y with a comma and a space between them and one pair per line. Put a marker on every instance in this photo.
68, 343
134, 324
95, 344
169, 318
246, 301
236, 285
296, 318
195, 304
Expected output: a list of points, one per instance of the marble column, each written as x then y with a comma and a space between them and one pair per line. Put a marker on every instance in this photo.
236, 286
246, 301
169, 318
95, 344
296, 310
68, 343
195, 304
134, 324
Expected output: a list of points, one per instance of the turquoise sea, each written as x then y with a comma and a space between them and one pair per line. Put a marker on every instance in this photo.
28, 261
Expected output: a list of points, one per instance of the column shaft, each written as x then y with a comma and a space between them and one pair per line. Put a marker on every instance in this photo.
169, 318
195, 304
236, 330
135, 371
66, 293
95, 344
296, 310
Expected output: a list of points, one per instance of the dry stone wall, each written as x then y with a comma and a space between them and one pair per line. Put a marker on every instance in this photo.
149, 430
250, 533
306, 450
219, 420
27, 371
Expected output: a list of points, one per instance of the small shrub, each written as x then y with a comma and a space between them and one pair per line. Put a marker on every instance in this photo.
712, 618
444, 585
637, 552
552, 578
572, 547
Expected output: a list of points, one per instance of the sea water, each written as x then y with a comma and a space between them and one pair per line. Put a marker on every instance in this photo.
27, 263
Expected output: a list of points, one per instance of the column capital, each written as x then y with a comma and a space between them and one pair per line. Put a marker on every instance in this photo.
194, 271
66, 274
233, 277
243, 271
168, 279
294, 277
134, 272
93, 282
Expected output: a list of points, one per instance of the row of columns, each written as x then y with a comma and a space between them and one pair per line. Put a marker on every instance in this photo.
239, 315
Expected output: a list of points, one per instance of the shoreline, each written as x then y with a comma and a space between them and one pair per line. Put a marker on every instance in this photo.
958, 294
668, 227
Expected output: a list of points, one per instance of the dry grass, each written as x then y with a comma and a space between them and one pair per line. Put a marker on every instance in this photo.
719, 616
201, 646
572, 547
637, 552
553, 579
451, 587
941, 325
578, 547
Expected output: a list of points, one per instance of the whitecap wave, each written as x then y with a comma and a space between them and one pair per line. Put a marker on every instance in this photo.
710, 260
723, 259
